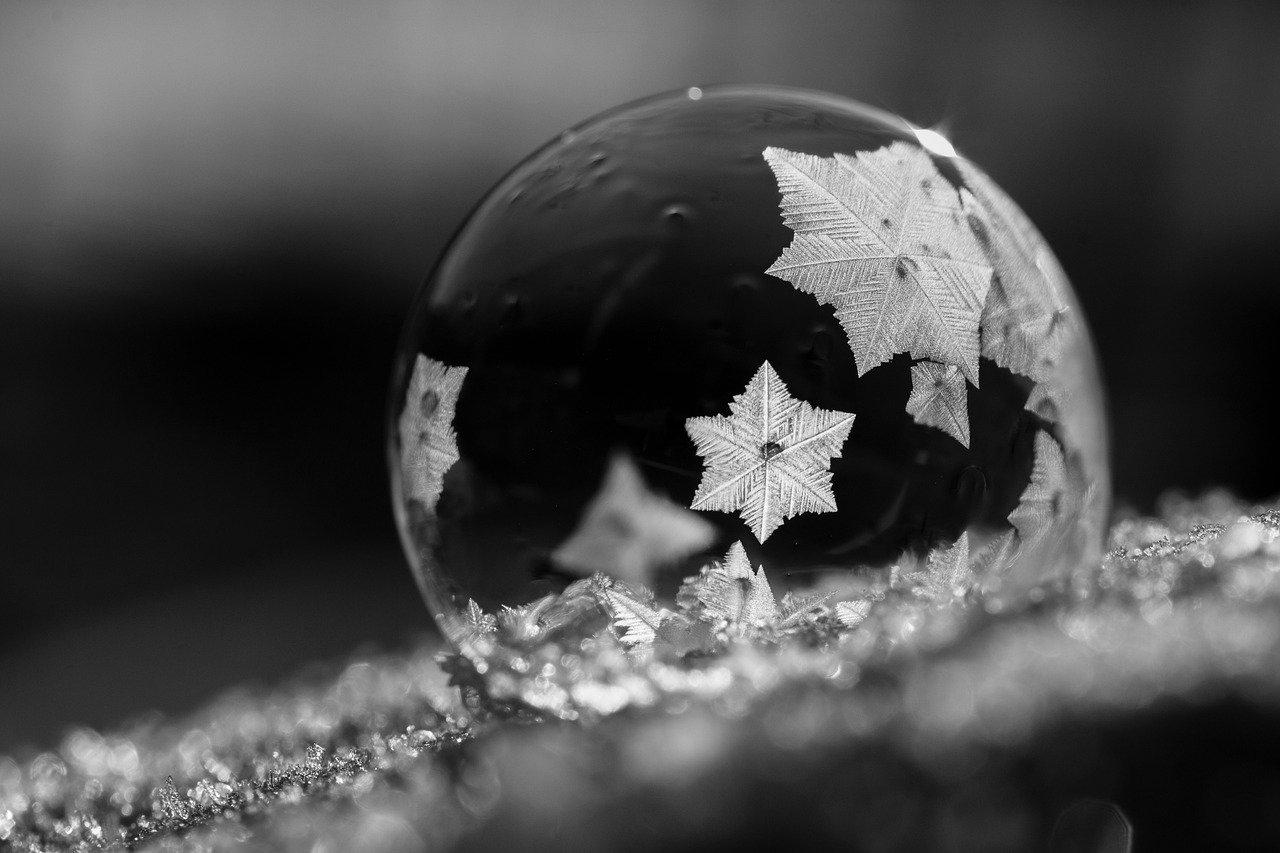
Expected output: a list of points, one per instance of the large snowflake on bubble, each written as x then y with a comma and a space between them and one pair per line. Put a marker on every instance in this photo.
885, 240
769, 459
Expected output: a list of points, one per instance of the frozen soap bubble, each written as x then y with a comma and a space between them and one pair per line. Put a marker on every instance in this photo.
717, 350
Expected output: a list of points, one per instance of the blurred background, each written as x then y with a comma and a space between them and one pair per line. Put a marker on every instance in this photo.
213, 217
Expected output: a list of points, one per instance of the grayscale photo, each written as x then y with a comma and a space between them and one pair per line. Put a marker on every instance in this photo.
639, 426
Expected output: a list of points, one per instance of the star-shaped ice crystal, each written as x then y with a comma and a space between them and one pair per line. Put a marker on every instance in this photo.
769, 459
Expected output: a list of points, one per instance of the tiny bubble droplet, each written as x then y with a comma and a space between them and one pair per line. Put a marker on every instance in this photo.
677, 215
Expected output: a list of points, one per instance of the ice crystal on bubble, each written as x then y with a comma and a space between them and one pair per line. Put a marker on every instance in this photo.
939, 399
769, 459
947, 573
427, 439
1042, 501
884, 238
1026, 314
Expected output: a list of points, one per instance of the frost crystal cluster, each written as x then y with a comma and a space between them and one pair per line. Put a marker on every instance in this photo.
720, 368
1173, 634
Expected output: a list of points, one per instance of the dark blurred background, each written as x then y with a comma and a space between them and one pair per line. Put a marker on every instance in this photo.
213, 216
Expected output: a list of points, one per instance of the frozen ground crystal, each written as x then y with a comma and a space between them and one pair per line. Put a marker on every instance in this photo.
923, 705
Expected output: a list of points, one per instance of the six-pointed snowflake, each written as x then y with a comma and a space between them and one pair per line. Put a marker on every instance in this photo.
885, 239
428, 444
769, 459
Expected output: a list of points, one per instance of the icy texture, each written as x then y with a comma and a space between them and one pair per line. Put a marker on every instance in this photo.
939, 399
883, 238
764, 317
769, 459
429, 446
928, 702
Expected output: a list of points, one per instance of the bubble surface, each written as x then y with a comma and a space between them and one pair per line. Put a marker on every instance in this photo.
759, 322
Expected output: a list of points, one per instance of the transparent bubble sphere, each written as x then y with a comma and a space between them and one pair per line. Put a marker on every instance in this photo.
716, 350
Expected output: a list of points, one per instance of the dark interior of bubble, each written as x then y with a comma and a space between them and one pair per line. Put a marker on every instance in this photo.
612, 287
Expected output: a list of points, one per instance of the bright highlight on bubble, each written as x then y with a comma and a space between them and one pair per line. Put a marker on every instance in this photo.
935, 142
